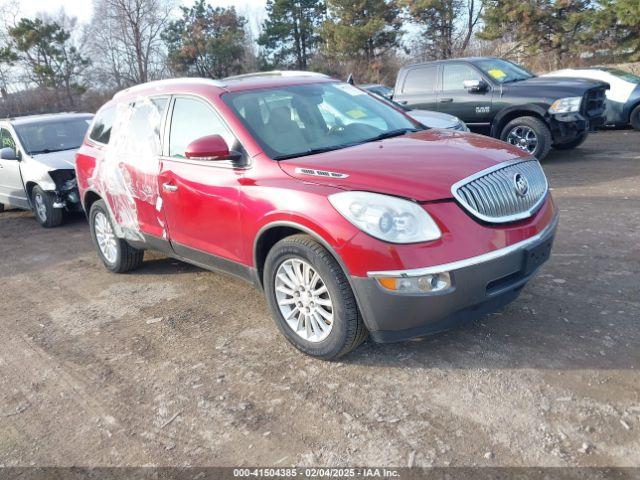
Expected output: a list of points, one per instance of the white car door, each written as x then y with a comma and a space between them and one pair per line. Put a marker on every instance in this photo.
11, 187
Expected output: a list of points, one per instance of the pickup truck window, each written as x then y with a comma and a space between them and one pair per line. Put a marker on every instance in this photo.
454, 75
421, 80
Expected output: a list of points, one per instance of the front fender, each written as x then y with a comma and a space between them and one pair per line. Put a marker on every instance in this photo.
523, 110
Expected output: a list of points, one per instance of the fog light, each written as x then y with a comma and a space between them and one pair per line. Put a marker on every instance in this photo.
433, 283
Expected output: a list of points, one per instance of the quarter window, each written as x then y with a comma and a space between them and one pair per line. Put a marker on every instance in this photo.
193, 119
454, 75
421, 80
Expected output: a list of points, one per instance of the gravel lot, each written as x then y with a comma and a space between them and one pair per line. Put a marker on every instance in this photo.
173, 365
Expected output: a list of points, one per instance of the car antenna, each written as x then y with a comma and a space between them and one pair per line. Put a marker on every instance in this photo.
350, 80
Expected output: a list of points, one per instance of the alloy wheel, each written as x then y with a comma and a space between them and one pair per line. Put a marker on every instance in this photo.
41, 208
303, 300
105, 237
524, 138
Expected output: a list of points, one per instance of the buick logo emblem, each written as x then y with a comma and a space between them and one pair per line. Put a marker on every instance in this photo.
521, 184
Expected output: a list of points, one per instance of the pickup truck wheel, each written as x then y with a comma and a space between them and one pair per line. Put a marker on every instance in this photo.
634, 118
311, 300
42, 202
576, 142
116, 254
529, 134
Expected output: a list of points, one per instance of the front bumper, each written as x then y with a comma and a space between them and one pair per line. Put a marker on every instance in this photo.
479, 285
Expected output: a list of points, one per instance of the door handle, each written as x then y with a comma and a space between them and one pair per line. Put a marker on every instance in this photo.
169, 187
446, 100
403, 102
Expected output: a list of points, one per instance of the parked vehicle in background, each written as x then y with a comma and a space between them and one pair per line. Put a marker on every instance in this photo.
623, 96
37, 160
502, 99
367, 225
378, 89
428, 118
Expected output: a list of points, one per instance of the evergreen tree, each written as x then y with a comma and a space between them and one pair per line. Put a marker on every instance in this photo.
290, 32
206, 41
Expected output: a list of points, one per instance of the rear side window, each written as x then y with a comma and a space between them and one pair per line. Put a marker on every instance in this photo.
101, 131
191, 120
421, 80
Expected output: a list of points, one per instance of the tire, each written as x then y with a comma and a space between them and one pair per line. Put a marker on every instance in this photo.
116, 254
1, 207
634, 118
345, 331
543, 139
42, 202
576, 142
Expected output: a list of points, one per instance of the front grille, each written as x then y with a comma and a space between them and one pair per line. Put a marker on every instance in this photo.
504, 193
594, 102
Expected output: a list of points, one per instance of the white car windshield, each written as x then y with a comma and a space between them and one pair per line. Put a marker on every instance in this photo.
292, 121
52, 136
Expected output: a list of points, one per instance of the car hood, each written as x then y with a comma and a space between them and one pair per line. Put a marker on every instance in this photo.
421, 166
556, 85
434, 119
56, 160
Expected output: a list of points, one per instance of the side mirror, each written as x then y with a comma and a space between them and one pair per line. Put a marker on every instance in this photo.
8, 153
475, 86
210, 147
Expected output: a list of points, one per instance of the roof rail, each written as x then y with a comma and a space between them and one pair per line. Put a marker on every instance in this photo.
280, 73
168, 82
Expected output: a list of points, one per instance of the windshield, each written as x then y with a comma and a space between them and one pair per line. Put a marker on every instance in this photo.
629, 77
52, 136
297, 120
503, 71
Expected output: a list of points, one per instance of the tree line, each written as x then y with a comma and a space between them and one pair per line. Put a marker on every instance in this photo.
60, 64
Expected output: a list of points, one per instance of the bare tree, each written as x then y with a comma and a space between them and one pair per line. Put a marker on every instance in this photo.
125, 40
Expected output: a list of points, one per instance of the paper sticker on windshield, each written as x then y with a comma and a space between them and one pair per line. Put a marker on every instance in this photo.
356, 114
350, 89
497, 73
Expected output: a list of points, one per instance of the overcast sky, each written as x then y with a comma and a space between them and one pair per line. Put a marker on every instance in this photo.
252, 9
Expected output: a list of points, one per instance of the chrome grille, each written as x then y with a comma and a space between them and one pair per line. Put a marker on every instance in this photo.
497, 194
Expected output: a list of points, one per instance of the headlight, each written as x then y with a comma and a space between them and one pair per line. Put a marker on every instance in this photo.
387, 218
566, 105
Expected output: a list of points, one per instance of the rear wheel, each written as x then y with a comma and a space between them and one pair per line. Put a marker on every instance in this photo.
576, 142
311, 300
529, 134
116, 254
634, 119
46, 214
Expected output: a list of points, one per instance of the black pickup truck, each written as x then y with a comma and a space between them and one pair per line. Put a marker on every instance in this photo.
502, 99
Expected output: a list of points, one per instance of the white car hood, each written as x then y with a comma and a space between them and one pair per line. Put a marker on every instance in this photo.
434, 119
57, 160
620, 90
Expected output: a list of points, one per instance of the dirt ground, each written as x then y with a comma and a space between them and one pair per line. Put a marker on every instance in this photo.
173, 365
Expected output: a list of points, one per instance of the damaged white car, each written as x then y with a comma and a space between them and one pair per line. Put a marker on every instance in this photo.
37, 164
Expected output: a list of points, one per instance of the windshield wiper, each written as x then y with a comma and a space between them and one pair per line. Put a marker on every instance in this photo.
392, 133
311, 151
52, 150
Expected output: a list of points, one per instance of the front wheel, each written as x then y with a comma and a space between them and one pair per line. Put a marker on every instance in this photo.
311, 300
46, 214
576, 142
116, 254
634, 119
529, 134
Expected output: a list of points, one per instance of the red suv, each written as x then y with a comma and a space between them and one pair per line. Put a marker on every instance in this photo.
353, 218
